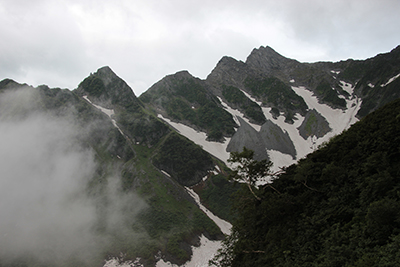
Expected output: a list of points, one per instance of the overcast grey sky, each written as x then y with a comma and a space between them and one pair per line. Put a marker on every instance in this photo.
59, 43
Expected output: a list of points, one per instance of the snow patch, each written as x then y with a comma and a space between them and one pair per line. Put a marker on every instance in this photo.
335, 72
303, 147
116, 262
218, 169
371, 85
214, 148
391, 80
292, 81
347, 87
338, 119
201, 255
279, 159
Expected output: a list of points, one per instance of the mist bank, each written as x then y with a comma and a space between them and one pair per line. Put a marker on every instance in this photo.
52, 209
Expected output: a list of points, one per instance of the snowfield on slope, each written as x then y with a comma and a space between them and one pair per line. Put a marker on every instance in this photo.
216, 149
338, 120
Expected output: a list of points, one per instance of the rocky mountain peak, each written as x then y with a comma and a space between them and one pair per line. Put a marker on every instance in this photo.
182, 74
167, 83
107, 74
8, 83
229, 71
105, 88
268, 60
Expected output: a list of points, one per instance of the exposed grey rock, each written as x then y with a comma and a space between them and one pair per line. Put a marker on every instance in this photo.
247, 136
314, 124
270, 136
274, 138
269, 62
229, 72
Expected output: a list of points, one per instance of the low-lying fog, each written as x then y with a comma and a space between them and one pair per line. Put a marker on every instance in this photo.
45, 211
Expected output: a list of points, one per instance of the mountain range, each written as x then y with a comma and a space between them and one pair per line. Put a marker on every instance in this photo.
180, 132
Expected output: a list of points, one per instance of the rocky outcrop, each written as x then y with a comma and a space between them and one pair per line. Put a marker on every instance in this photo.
247, 136
269, 62
229, 72
106, 89
270, 137
274, 138
314, 124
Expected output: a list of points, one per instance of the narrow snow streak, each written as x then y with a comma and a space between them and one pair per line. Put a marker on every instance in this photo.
214, 148
222, 224
391, 80
207, 249
166, 173
109, 113
236, 113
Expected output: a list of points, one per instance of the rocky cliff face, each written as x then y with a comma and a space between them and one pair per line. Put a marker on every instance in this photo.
270, 63
106, 89
306, 101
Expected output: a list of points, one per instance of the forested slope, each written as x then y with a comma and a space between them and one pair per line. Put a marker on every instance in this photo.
340, 206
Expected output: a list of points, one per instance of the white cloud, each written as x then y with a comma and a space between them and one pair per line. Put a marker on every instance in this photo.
61, 42
45, 209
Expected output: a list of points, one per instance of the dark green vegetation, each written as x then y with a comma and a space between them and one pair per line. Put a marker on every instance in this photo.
340, 206
172, 220
94, 86
237, 98
216, 195
330, 95
187, 99
183, 159
277, 94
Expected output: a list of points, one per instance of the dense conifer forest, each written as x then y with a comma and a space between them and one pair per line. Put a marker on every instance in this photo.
339, 206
